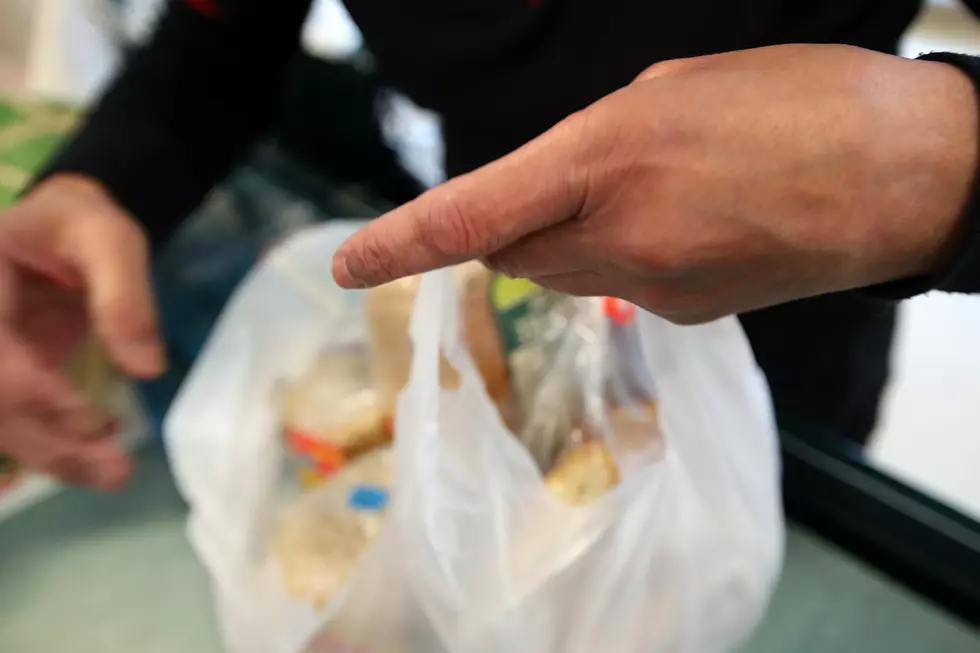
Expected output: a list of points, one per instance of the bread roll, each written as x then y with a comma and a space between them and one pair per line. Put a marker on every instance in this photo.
584, 474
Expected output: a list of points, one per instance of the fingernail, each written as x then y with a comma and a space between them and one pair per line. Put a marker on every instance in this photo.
344, 277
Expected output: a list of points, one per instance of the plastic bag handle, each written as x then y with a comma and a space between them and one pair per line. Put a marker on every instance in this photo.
435, 332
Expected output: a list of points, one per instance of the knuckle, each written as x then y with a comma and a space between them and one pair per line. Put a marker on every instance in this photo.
589, 134
670, 67
452, 232
594, 129
504, 262
371, 256
664, 261
662, 69
575, 125
670, 250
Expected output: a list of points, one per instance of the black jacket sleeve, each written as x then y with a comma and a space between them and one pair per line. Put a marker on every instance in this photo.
187, 106
962, 275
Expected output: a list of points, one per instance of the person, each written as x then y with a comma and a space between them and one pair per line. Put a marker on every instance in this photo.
682, 155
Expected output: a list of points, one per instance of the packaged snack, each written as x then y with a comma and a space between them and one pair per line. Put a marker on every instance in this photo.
332, 415
531, 321
630, 423
318, 541
593, 389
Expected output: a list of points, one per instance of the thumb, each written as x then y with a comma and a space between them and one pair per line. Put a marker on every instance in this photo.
111, 253
474, 215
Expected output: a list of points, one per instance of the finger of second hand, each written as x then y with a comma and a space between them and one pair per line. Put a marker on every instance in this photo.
112, 256
81, 423
8, 290
29, 385
100, 465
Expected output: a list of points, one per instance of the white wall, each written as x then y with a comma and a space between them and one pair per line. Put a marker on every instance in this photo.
65, 55
69, 59
16, 21
15, 24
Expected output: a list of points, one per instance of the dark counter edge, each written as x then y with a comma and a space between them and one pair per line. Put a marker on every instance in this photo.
919, 542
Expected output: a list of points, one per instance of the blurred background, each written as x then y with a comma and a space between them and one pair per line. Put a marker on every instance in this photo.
885, 549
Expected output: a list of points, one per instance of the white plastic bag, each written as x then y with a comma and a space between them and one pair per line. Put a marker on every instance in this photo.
477, 556
223, 434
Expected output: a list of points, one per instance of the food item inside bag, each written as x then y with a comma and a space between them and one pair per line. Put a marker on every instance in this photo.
318, 541
591, 383
586, 407
584, 474
332, 415
539, 330
635, 427
531, 320
469, 551
590, 469
389, 311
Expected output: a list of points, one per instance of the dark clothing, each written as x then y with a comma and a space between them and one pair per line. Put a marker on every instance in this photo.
827, 359
191, 103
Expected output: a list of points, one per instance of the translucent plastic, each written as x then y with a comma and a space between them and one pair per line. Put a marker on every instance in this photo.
476, 556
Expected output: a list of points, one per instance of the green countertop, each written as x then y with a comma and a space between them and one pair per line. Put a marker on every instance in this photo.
84, 573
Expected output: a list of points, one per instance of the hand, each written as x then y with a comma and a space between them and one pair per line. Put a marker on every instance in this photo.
712, 186
69, 259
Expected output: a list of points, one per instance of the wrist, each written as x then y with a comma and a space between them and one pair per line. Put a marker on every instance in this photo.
957, 164
929, 123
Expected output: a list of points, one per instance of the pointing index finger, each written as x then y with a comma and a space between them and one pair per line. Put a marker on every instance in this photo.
469, 217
